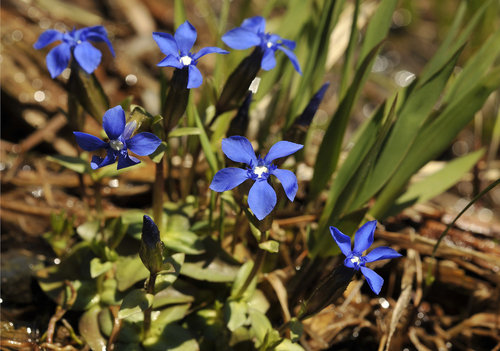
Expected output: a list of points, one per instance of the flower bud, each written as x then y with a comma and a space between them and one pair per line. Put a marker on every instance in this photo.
151, 249
298, 130
239, 124
329, 290
176, 99
239, 81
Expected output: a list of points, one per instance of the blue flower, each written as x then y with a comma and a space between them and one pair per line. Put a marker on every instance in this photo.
178, 51
252, 33
76, 42
120, 140
261, 198
354, 259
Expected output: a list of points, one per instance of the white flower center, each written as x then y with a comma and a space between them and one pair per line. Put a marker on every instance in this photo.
355, 259
186, 60
269, 44
78, 41
259, 170
116, 145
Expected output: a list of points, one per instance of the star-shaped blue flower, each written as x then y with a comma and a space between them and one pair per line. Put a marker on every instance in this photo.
120, 140
354, 259
76, 42
178, 51
252, 33
261, 198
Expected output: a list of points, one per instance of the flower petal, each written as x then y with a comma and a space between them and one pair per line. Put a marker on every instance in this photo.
125, 160
381, 253
195, 78
289, 182
292, 58
87, 56
47, 37
374, 280
57, 59
282, 149
89, 142
185, 36
241, 38
268, 60
171, 61
342, 240
114, 122
364, 237
288, 43
98, 34
256, 24
98, 162
166, 43
143, 144
209, 50
261, 199
239, 149
129, 130
228, 178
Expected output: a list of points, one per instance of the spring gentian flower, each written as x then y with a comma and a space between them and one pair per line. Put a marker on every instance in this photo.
76, 42
252, 33
354, 259
120, 141
261, 198
178, 51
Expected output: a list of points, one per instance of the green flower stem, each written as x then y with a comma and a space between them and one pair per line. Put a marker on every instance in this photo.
158, 188
150, 289
257, 266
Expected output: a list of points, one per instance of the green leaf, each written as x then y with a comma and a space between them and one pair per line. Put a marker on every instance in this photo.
192, 112
329, 150
76, 164
316, 58
411, 117
476, 66
130, 270
452, 42
378, 27
168, 276
235, 314
173, 337
259, 325
288, 345
367, 136
271, 246
88, 325
215, 270
167, 316
240, 279
437, 182
97, 267
178, 237
170, 296
179, 132
134, 302
88, 230
434, 137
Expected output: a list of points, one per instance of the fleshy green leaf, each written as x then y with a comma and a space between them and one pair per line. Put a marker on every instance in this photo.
134, 302
97, 267
77, 164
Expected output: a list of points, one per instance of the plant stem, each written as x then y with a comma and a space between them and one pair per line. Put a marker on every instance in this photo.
158, 188
150, 289
259, 260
